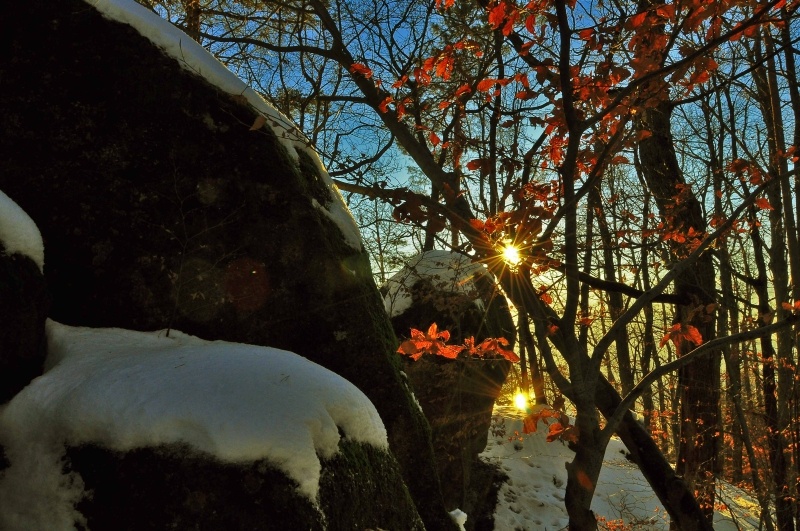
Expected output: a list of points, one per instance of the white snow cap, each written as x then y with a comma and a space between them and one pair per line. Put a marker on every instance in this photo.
193, 57
124, 390
18, 233
459, 517
448, 272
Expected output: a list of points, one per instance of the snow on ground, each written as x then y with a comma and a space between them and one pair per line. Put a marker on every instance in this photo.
447, 271
126, 389
193, 57
18, 233
533, 497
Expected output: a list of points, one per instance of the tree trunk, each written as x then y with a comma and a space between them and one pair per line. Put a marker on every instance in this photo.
698, 381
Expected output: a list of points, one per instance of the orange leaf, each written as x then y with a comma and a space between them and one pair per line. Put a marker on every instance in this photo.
434, 138
449, 351
400, 82
670, 334
383, 106
635, 21
486, 85
475, 164
764, 204
692, 334
358, 68
463, 89
497, 14
555, 431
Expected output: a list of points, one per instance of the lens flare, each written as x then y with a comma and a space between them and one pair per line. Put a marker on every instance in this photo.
521, 401
511, 255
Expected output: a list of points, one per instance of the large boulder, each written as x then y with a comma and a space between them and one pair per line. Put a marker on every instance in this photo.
457, 396
170, 196
132, 430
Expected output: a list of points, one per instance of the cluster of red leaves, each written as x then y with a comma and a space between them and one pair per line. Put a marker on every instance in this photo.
682, 333
679, 333
791, 307
561, 429
435, 341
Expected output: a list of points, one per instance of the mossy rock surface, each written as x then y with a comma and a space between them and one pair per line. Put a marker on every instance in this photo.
23, 312
176, 487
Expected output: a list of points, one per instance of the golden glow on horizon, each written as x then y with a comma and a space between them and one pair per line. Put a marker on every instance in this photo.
521, 401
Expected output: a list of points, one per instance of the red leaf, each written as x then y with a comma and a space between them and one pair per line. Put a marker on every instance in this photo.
530, 422
635, 21
400, 82
764, 204
497, 14
555, 431
486, 85
670, 334
434, 138
383, 106
692, 334
474, 164
449, 351
463, 89
358, 68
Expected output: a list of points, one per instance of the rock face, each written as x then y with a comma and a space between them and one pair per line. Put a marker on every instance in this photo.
160, 207
23, 311
174, 487
457, 396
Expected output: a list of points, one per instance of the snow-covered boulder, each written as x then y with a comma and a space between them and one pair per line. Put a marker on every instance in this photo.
170, 195
23, 299
449, 289
133, 430
457, 396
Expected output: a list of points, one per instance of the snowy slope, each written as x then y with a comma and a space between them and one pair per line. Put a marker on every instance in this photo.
533, 497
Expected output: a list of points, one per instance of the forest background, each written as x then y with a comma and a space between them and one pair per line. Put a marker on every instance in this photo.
640, 159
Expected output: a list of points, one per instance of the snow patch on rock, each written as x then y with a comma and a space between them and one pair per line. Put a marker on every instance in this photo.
123, 390
18, 233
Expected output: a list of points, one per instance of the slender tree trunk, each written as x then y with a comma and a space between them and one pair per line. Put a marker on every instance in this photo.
698, 381
778, 381
615, 299
537, 377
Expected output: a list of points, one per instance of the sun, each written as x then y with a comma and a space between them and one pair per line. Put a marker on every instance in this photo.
511, 255
521, 401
